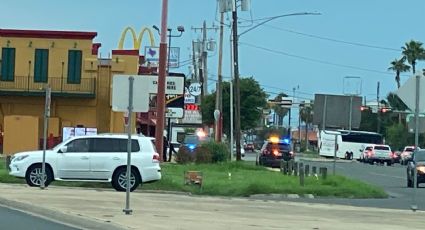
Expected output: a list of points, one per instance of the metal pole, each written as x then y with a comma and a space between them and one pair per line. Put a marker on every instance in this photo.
218, 103
351, 113
414, 206
378, 112
325, 107
231, 120
335, 149
45, 126
237, 85
204, 60
231, 100
162, 71
127, 209
168, 119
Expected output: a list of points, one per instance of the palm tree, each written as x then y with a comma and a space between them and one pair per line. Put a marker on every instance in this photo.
306, 115
279, 110
413, 51
398, 67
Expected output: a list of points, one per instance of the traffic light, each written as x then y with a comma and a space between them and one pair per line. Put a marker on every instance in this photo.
364, 108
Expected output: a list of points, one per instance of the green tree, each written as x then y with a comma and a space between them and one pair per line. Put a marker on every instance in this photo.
252, 97
306, 115
413, 51
279, 110
398, 67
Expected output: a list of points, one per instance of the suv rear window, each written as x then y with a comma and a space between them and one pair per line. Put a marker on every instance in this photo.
380, 147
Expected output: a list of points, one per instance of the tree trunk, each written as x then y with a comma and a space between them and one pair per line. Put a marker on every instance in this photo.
397, 78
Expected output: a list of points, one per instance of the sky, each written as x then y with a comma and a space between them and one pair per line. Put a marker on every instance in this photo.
311, 53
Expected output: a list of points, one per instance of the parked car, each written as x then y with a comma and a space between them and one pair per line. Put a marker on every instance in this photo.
98, 158
274, 151
378, 153
406, 154
249, 146
417, 163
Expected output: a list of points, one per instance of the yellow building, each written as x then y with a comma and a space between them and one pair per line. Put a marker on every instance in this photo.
67, 61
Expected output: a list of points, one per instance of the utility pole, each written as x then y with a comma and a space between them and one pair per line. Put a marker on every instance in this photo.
218, 100
378, 112
237, 84
162, 72
194, 62
203, 69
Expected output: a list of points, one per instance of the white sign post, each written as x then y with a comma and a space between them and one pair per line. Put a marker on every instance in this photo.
123, 100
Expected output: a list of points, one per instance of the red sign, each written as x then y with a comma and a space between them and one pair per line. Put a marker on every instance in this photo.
191, 107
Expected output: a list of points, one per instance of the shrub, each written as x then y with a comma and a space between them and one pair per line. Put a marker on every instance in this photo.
219, 151
184, 156
203, 155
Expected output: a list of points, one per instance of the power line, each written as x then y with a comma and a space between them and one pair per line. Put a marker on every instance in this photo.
333, 39
314, 60
322, 37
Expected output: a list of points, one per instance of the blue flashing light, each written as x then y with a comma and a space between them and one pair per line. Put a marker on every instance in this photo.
191, 146
286, 141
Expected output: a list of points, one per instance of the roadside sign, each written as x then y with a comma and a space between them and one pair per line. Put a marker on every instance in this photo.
189, 98
175, 85
195, 89
174, 113
407, 93
152, 56
120, 93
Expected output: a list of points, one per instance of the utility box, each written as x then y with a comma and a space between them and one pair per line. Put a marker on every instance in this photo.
21, 133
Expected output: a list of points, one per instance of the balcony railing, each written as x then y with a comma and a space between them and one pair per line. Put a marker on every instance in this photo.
26, 85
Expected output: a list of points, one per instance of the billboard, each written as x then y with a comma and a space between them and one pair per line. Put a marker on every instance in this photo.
334, 110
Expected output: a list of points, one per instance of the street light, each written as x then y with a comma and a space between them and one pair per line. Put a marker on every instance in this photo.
170, 35
236, 37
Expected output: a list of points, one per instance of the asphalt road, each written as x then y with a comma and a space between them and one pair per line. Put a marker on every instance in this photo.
12, 219
391, 178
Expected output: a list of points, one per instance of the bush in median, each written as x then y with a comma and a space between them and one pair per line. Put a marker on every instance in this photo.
184, 155
219, 151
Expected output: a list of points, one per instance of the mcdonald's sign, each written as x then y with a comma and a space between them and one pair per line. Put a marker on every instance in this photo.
137, 40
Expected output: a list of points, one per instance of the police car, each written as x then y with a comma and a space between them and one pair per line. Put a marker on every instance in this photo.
273, 151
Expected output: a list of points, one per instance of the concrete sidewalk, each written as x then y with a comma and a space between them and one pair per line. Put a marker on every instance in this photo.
102, 209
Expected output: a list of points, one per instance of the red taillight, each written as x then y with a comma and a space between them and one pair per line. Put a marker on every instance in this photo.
370, 153
155, 158
275, 152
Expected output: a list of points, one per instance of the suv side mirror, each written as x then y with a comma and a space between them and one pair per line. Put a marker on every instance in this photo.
63, 149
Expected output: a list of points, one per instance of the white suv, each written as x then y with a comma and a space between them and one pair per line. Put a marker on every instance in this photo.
99, 158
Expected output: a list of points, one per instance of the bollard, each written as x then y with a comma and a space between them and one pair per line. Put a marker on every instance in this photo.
295, 168
307, 170
284, 167
301, 174
8, 162
290, 167
323, 172
314, 170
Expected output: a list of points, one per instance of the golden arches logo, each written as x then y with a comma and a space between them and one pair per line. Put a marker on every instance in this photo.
137, 40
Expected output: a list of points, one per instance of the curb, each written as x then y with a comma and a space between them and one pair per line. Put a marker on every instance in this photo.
280, 196
71, 220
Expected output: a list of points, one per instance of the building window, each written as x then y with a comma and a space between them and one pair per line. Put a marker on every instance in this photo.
41, 65
74, 66
8, 64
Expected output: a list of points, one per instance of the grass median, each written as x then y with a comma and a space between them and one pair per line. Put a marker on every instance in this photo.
239, 179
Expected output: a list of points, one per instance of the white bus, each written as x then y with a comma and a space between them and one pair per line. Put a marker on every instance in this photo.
347, 142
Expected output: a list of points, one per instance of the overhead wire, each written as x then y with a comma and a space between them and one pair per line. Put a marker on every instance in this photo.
313, 60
